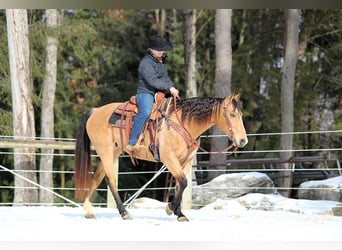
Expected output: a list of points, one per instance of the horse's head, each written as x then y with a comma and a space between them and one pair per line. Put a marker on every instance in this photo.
231, 121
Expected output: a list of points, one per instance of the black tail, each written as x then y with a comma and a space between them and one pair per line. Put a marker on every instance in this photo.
82, 162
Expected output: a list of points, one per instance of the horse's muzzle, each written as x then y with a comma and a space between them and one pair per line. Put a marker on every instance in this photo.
243, 142
240, 142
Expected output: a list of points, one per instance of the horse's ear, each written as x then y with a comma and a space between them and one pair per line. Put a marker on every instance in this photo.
237, 97
234, 96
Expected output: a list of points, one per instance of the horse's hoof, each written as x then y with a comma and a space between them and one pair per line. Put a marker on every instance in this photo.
182, 218
90, 216
168, 210
126, 216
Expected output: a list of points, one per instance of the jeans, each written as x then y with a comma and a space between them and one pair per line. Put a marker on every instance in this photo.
145, 103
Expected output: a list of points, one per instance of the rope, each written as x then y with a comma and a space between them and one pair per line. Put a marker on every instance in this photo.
134, 196
40, 186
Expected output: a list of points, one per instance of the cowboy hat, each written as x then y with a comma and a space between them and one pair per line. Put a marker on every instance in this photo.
159, 43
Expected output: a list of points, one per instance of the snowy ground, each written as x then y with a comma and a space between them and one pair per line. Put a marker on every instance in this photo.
49, 224
221, 221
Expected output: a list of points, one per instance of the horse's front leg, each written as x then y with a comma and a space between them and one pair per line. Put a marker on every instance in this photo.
178, 172
175, 205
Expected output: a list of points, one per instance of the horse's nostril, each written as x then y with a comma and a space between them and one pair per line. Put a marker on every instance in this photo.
243, 142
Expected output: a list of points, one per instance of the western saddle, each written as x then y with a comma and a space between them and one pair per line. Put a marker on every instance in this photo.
123, 117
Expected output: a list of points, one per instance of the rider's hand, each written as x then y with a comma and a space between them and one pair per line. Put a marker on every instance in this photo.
174, 91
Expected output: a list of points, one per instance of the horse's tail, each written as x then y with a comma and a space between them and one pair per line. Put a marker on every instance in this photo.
82, 162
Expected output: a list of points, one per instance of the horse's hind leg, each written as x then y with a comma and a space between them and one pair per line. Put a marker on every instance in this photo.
122, 210
95, 182
108, 164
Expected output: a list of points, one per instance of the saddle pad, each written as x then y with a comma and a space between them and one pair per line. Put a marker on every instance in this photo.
115, 118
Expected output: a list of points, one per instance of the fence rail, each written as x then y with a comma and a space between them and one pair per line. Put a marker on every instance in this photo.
233, 165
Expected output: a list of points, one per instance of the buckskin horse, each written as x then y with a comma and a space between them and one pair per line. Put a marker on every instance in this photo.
176, 139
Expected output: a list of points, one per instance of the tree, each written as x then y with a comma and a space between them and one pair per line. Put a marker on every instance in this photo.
287, 90
223, 72
47, 111
160, 21
190, 52
190, 76
23, 113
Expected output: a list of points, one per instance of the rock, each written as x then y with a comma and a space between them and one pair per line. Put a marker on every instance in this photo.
229, 186
277, 202
337, 211
329, 189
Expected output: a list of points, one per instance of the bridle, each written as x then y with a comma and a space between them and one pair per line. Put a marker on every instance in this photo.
229, 124
192, 144
230, 129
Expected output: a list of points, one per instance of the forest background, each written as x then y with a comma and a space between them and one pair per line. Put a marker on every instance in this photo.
99, 52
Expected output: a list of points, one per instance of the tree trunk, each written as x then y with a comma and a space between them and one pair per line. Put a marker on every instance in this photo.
287, 89
23, 113
48, 98
190, 53
191, 86
243, 28
223, 73
160, 20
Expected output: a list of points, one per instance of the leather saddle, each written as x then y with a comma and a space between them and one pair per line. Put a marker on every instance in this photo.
123, 117
129, 109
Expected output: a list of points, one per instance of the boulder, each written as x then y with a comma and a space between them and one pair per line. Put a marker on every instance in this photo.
329, 189
230, 186
276, 202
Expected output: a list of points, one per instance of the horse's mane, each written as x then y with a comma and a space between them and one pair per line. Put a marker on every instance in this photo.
199, 109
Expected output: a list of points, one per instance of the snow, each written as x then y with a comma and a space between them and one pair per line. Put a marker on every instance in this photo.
253, 221
334, 182
223, 220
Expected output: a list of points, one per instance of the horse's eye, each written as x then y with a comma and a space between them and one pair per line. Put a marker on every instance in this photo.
232, 115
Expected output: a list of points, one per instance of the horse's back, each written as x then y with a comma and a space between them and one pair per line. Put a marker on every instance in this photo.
105, 111
98, 122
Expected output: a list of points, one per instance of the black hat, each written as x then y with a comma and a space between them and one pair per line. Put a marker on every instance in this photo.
159, 43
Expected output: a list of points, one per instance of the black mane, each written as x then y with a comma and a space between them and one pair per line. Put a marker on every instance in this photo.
197, 108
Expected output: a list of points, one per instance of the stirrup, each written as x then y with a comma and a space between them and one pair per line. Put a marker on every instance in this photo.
134, 148
154, 149
130, 147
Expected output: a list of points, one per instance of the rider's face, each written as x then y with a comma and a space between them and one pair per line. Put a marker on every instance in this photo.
157, 53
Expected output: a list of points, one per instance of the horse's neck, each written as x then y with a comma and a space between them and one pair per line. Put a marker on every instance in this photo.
196, 129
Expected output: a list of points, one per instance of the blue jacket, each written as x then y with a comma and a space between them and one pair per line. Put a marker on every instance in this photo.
153, 75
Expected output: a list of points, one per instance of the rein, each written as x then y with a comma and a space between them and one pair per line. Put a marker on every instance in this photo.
226, 149
175, 108
191, 143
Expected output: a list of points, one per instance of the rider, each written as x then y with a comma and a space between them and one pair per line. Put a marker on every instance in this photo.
153, 77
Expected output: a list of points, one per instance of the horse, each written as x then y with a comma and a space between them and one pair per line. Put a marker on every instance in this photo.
177, 137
